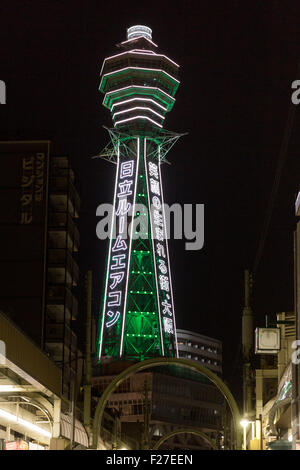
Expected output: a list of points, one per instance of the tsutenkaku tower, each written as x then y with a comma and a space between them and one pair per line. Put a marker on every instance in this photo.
137, 317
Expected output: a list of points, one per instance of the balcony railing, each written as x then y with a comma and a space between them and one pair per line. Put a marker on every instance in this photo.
61, 222
62, 295
62, 259
63, 186
60, 333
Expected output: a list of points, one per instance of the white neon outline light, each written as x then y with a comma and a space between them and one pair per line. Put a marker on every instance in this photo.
138, 68
109, 260
115, 303
166, 321
138, 117
144, 35
130, 244
139, 37
138, 52
139, 28
139, 99
16, 419
154, 262
138, 107
143, 51
138, 86
169, 269
113, 321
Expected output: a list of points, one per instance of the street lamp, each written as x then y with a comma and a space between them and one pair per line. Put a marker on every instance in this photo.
244, 423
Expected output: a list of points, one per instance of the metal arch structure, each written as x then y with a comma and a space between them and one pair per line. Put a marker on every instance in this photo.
161, 361
165, 141
194, 431
34, 402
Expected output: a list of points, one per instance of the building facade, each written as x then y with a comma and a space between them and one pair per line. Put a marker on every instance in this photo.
23, 217
274, 383
62, 270
39, 206
207, 351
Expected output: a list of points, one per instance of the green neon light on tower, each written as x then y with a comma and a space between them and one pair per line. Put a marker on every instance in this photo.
137, 318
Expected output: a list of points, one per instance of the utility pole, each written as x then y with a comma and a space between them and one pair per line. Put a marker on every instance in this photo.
247, 344
74, 401
88, 367
261, 432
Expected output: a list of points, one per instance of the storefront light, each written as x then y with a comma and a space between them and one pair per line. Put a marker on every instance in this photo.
8, 388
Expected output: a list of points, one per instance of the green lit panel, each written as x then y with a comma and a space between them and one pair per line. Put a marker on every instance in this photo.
145, 74
136, 110
143, 332
136, 333
145, 327
116, 96
137, 59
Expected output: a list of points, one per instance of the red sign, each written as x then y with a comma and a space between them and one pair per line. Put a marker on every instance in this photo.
16, 445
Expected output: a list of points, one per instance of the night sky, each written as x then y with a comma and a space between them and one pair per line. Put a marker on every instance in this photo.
238, 60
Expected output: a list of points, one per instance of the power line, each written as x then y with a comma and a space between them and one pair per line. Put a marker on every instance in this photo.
276, 182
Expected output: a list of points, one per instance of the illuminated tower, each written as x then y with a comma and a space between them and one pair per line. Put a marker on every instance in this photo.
137, 317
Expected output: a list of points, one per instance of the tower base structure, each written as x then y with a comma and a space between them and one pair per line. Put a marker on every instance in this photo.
138, 320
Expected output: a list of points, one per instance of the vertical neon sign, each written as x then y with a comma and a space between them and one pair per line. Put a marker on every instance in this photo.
114, 305
160, 247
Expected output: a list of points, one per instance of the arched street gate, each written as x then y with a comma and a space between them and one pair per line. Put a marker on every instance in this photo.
195, 431
162, 361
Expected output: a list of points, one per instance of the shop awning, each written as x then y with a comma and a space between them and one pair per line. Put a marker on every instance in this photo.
80, 435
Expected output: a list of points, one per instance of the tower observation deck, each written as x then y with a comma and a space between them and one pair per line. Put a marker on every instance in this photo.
139, 84
137, 319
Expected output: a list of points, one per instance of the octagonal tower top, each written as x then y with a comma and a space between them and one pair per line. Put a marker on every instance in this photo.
139, 31
139, 83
